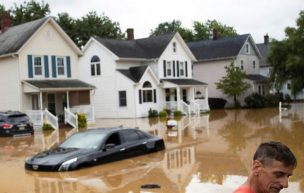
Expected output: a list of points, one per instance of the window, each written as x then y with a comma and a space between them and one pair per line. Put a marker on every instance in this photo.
95, 66
247, 48
242, 65
288, 86
130, 135
253, 64
61, 66
174, 47
122, 98
181, 69
147, 92
38, 71
169, 68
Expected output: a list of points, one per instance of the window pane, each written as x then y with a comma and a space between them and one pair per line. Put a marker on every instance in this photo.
92, 69
60, 66
38, 66
98, 69
130, 136
122, 98
147, 95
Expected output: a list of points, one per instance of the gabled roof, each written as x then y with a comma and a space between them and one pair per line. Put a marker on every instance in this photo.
227, 47
146, 48
63, 84
134, 73
14, 37
263, 48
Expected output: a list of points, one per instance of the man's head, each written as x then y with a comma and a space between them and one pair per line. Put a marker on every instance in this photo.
273, 163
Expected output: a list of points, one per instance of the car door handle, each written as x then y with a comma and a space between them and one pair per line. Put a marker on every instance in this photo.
122, 149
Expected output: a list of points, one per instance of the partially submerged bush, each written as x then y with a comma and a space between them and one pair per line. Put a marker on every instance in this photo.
152, 113
82, 120
47, 127
163, 113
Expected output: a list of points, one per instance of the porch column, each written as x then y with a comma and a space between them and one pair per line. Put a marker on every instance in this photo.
206, 97
178, 98
40, 99
192, 94
68, 99
92, 104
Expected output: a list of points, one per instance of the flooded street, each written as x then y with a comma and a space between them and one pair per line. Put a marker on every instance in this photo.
208, 153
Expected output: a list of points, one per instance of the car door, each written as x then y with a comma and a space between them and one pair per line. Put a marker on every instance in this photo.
134, 144
112, 149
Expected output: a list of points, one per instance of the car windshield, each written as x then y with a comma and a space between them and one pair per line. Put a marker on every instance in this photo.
15, 119
84, 140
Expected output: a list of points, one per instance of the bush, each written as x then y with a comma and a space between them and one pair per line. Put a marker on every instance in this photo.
47, 127
272, 100
255, 101
163, 113
177, 113
152, 113
82, 120
287, 98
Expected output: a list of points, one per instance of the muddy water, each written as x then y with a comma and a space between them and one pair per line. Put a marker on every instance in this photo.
210, 153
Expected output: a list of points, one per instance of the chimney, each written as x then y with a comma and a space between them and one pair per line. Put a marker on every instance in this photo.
130, 33
5, 22
216, 34
266, 39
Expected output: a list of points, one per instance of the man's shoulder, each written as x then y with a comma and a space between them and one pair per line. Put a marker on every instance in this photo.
243, 189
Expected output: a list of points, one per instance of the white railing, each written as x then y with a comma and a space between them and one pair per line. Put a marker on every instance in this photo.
51, 119
203, 103
185, 122
185, 108
52, 139
71, 132
87, 110
195, 107
70, 118
36, 117
171, 105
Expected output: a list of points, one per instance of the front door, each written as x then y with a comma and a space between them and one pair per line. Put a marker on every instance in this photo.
52, 103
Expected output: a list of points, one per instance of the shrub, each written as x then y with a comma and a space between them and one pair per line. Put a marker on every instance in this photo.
47, 127
177, 113
163, 113
152, 113
255, 101
287, 98
82, 120
272, 100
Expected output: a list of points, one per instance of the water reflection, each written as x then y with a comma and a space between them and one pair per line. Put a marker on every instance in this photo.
207, 153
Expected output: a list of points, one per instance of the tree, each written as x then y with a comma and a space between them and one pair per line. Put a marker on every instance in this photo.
203, 31
233, 83
2, 9
95, 25
172, 27
287, 57
68, 24
29, 11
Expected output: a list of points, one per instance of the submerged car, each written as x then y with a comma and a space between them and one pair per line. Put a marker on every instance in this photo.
15, 123
95, 146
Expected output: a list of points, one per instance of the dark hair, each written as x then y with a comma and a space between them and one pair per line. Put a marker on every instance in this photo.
273, 150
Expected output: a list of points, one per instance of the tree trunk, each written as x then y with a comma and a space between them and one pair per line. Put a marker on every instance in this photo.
235, 101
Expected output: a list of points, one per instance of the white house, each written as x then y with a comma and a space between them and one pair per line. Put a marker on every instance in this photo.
133, 76
39, 70
213, 55
265, 69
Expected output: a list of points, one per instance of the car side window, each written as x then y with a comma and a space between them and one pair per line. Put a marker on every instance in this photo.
141, 135
130, 135
113, 139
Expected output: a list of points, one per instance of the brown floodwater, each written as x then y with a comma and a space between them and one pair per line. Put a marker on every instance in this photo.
208, 153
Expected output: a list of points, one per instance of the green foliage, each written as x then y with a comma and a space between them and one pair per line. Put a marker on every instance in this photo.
177, 113
233, 84
2, 9
200, 31
152, 113
47, 127
82, 120
29, 11
287, 58
163, 113
258, 101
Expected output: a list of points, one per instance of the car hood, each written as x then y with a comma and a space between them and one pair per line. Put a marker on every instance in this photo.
58, 156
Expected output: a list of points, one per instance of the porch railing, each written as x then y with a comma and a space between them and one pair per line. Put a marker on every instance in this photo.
51, 119
172, 105
195, 107
36, 117
185, 108
87, 110
52, 139
70, 118
204, 106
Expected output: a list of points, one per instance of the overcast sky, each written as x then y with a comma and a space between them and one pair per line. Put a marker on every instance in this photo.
256, 17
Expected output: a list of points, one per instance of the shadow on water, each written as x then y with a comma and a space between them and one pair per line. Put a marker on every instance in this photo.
206, 153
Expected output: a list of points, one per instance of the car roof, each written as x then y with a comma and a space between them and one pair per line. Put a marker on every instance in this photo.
9, 113
107, 130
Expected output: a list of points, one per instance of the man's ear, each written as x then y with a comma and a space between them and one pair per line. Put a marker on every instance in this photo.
256, 167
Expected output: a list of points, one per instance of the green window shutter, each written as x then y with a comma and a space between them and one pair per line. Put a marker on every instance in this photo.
177, 64
68, 58
139, 95
30, 66
173, 63
186, 68
46, 66
54, 67
154, 92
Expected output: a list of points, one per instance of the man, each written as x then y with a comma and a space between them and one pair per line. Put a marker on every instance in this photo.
273, 163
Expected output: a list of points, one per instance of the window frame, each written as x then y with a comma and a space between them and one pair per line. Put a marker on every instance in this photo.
147, 93
122, 100
95, 66
247, 49
182, 69
34, 66
174, 47
169, 68
64, 67
242, 64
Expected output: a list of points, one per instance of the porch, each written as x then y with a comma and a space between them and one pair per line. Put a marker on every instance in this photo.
55, 101
187, 95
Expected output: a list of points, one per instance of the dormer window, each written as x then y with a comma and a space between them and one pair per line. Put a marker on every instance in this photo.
174, 47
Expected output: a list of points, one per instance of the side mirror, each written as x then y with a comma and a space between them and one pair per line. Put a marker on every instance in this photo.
110, 146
